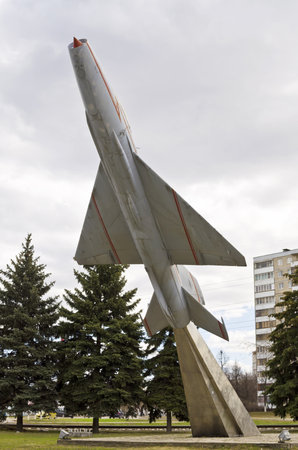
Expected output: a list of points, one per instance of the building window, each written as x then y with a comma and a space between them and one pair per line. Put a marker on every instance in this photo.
264, 312
289, 260
262, 264
263, 337
280, 285
262, 349
263, 300
263, 276
264, 287
280, 274
262, 362
266, 324
279, 262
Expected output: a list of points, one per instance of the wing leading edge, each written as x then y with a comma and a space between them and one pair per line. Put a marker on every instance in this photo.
105, 237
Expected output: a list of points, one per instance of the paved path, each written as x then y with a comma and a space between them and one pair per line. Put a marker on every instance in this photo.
269, 440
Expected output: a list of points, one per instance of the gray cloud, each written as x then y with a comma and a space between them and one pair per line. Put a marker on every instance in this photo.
210, 89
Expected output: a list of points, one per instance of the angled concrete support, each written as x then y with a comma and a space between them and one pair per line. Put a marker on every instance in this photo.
214, 407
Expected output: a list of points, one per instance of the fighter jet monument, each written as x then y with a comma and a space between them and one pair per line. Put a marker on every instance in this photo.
134, 217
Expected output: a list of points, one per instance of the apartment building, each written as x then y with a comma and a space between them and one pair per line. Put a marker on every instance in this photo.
270, 283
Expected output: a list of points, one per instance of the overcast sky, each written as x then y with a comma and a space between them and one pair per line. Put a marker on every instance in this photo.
210, 88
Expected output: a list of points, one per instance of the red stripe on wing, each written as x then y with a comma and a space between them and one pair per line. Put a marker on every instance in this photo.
185, 227
147, 327
222, 330
106, 231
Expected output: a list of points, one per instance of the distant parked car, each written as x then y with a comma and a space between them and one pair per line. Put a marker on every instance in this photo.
118, 415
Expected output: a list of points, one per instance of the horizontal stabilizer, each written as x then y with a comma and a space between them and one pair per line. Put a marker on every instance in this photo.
188, 237
202, 318
105, 237
154, 320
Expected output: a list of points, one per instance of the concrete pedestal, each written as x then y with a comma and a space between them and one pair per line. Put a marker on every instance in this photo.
214, 407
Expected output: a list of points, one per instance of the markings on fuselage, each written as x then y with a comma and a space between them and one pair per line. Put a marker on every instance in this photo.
184, 226
106, 231
115, 101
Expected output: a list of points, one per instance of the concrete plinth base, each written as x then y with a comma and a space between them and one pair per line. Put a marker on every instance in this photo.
268, 440
214, 407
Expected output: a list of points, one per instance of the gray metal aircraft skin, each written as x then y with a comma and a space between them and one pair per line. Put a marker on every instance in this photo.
134, 217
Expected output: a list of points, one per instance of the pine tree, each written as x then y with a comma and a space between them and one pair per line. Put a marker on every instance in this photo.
283, 367
164, 387
101, 364
27, 336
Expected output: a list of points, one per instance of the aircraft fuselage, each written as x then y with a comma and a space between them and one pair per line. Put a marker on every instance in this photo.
110, 131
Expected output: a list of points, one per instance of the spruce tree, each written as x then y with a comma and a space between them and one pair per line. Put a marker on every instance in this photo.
101, 364
27, 336
164, 387
283, 366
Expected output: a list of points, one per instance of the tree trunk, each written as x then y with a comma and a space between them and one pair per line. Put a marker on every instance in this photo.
95, 428
20, 422
169, 422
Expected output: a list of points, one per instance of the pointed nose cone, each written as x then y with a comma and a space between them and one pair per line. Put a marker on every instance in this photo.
76, 43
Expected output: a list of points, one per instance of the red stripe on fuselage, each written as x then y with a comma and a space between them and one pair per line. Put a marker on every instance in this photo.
115, 103
185, 227
106, 231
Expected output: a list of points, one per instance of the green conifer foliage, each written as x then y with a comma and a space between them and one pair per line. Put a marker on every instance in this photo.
164, 387
101, 365
283, 367
27, 336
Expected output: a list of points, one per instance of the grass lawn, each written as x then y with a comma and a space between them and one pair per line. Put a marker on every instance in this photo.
28, 440
268, 418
